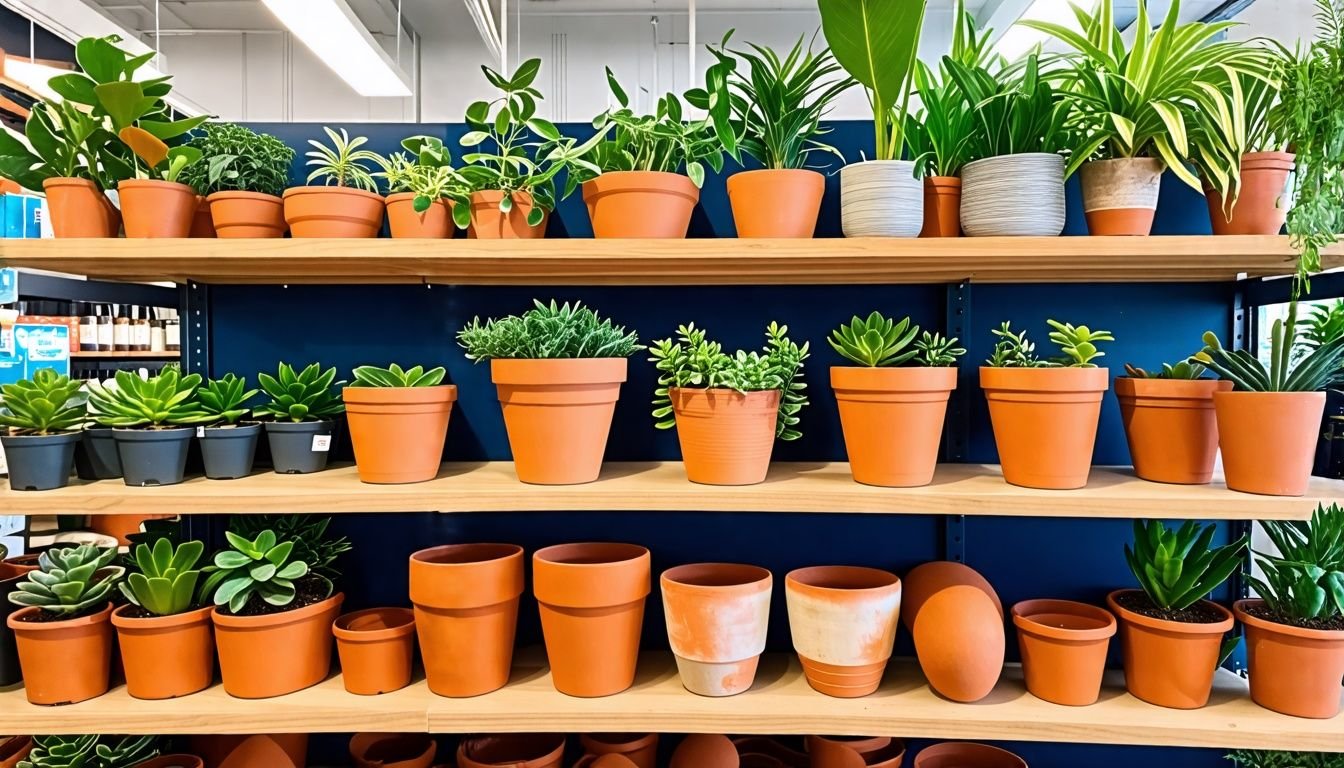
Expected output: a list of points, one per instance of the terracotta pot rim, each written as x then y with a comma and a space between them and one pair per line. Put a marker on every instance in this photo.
559, 371
1175, 627
1244, 395
807, 577
938, 750
54, 626
1024, 612
777, 171
19, 570
506, 552
401, 197
267, 621
1305, 633
405, 626
631, 553
627, 742
243, 194
357, 742
441, 393
495, 195
152, 183
70, 181
741, 577
940, 378
943, 181
330, 189
153, 623
665, 183
1169, 389
1045, 379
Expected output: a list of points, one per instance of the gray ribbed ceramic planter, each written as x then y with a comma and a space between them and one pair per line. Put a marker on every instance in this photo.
881, 198
39, 462
1013, 196
292, 446
96, 455
153, 456
228, 451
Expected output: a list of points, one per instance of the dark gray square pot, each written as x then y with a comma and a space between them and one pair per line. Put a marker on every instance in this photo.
292, 446
39, 462
228, 451
96, 455
153, 456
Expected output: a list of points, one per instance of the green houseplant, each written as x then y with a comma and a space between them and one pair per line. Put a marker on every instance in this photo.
152, 421
302, 407
421, 185
348, 203
242, 174
398, 422
228, 443
1249, 758
90, 751
1169, 421
40, 424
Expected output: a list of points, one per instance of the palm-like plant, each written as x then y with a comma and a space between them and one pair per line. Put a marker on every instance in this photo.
1015, 110
343, 164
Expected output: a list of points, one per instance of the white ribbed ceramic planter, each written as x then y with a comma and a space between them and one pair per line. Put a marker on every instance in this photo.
1013, 196
881, 198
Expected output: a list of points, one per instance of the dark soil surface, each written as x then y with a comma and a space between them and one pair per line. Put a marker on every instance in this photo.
1328, 623
308, 591
1140, 603
43, 617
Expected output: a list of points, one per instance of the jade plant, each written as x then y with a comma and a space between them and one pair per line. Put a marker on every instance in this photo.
304, 396
70, 582
47, 404
878, 342
1303, 581
1178, 568
1317, 368
159, 402
396, 376
1186, 370
90, 751
224, 399
343, 164
547, 331
163, 580
263, 567
1077, 343
237, 158
312, 545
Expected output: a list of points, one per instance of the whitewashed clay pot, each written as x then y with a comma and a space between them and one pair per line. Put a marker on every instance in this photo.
717, 616
1120, 196
843, 621
881, 198
1013, 196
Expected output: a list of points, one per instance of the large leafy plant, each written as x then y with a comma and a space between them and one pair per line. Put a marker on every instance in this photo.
940, 135
263, 567
344, 163
70, 582
877, 341
398, 377
47, 404
164, 579
235, 157
304, 396
1177, 568
547, 331
168, 399
1313, 370
1077, 345
1304, 580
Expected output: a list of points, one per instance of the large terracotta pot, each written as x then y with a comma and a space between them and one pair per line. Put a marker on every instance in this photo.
558, 415
166, 656
1170, 426
247, 214
333, 212
640, 204
66, 661
1262, 206
639, 748
78, 208
1019, 195
726, 437
843, 622
1169, 663
277, 750
1063, 647
511, 750
376, 647
403, 221
942, 206
202, 224
277, 653
153, 208
1268, 439
398, 432
892, 420
393, 750
466, 612
1293, 670
489, 223
12, 572
1120, 196
964, 754
881, 198
717, 617
1045, 422
591, 598
855, 752
776, 203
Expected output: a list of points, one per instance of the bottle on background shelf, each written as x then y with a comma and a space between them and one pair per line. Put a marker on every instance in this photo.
158, 340
139, 329
121, 329
105, 323
88, 326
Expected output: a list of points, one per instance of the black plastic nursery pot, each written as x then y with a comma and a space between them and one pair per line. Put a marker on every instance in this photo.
96, 455
228, 452
153, 456
39, 462
294, 449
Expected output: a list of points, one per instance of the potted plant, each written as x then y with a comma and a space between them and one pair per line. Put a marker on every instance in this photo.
1045, 411
302, 409
154, 203
728, 409
1169, 421
421, 188
228, 445
398, 421
376, 648
348, 205
242, 174
558, 370
892, 413
152, 422
1171, 636
42, 418
92, 751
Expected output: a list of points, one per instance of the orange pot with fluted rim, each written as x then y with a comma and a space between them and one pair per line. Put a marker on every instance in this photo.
276, 653
639, 748
376, 647
1170, 426
511, 750
262, 750
247, 214
202, 224
965, 754
1063, 646
333, 212
393, 750
398, 432
155, 208
1268, 439
640, 204
1169, 663
166, 656
775, 202
843, 621
942, 206
717, 617
892, 419
64, 661
1045, 422
726, 436
1262, 206
79, 208
490, 223
403, 221
1293, 670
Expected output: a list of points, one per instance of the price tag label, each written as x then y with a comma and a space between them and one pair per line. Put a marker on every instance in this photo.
321, 443
200, 431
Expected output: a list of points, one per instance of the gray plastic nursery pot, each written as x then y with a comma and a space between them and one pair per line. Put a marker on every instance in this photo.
39, 462
228, 452
96, 455
153, 456
294, 451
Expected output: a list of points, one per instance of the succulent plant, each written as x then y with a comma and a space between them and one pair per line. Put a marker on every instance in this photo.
875, 341
1184, 370
90, 751
1317, 368
305, 396
312, 545
1177, 568
547, 331
46, 404
936, 351
1077, 343
1247, 758
223, 398
395, 376
263, 567
70, 582
168, 399
165, 582
1305, 580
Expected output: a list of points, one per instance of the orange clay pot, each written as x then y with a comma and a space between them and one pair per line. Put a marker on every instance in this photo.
705, 750
489, 223
63, 662
403, 221
247, 214
121, 526
278, 653
639, 748
1268, 439
965, 754
1262, 206
466, 611
925, 581
376, 648
558, 415
1045, 422
942, 206
393, 750
1293, 670
333, 212
202, 225
640, 204
277, 750
15, 750
843, 622
776, 203
1170, 426
717, 617
1169, 663
78, 208
12, 573
855, 752
892, 420
153, 208
166, 656
767, 752
591, 598
511, 750
726, 437
1063, 647
398, 432
945, 599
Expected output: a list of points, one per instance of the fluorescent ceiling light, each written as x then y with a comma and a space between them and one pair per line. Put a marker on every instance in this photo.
336, 36
485, 25
1017, 40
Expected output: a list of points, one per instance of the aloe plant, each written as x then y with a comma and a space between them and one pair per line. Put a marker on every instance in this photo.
1304, 578
165, 580
71, 581
304, 396
47, 404
1317, 368
166, 400
395, 376
1177, 569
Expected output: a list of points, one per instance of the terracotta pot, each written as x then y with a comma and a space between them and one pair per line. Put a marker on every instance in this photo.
398, 432
63, 662
168, 761
640, 204
705, 750
466, 611
767, 752
277, 653
1045, 422
843, 622
1170, 426
278, 750
488, 223
166, 656
1293, 670
78, 208
403, 221
942, 206
558, 415
855, 752
511, 750
155, 208
202, 225
12, 572
591, 598
1120, 196
726, 437
892, 420
960, 641
1262, 206
121, 527
1268, 439
393, 750
247, 214
376, 648
964, 754
776, 203
15, 750
1063, 647
717, 616
1169, 663
926, 580
333, 212
641, 749
881, 198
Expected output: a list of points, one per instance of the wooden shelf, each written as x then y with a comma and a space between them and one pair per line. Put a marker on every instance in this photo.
668, 262
962, 489
125, 355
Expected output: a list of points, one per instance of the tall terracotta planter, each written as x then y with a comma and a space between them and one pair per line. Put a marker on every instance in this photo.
489, 223
1120, 196
892, 419
66, 661
1262, 206
855, 752
558, 415
1293, 670
262, 750
1063, 647
639, 748
1268, 439
166, 656
153, 208
1170, 426
333, 212
392, 750
776, 202
717, 617
376, 647
1045, 422
403, 221
965, 754
1169, 663
276, 653
843, 622
726, 437
466, 611
511, 750
202, 224
942, 206
640, 204
398, 432
78, 208
591, 598
247, 214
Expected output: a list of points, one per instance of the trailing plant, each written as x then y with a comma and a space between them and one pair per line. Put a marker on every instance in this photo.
1305, 579
1077, 343
312, 545
166, 400
305, 396
877, 341
224, 398
1177, 568
90, 751
1249, 758
263, 567
395, 376
70, 582
343, 164
235, 157
163, 581
1316, 369
547, 331
47, 404
1186, 370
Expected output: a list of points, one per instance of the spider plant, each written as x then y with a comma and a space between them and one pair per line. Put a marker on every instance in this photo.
343, 164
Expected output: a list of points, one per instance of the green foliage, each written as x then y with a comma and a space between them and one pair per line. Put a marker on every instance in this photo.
424, 168
1323, 323
305, 396
1177, 568
164, 579
1247, 758
940, 135
235, 157
396, 376
71, 581
880, 342
47, 404
937, 351
223, 398
1077, 343
343, 164
264, 567
1317, 368
1305, 580
166, 400
312, 545
90, 751
1184, 370
547, 331
66, 142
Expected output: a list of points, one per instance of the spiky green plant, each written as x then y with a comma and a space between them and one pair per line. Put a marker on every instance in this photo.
1317, 368
343, 164
1305, 579
877, 341
547, 331
305, 396
935, 351
71, 581
1185, 370
1177, 569
395, 376
224, 398
46, 404
1248, 758
263, 567
164, 582
166, 400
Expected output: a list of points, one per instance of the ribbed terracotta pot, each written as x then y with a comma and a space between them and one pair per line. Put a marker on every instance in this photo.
1019, 195
639, 748
153, 208
1262, 206
1045, 422
466, 612
393, 750
1169, 663
881, 198
376, 647
855, 752
1293, 670
1120, 196
13, 751
1171, 428
247, 214
717, 617
333, 212
558, 415
892, 419
591, 598
1063, 646
489, 223
78, 208
202, 224
843, 621
275, 750
403, 221
166, 656
167, 761
776, 202
1268, 439
63, 662
277, 653
965, 754
942, 206
726, 437
640, 204
398, 432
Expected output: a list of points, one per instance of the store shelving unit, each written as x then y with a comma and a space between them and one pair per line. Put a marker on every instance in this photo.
125, 355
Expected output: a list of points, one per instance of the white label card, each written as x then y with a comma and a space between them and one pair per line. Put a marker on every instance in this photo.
321, 443
200, 431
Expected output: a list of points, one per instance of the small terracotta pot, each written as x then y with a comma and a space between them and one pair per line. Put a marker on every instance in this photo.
591, 598
1293, 670
640, 204
855, 752
275, 750
511, 750
843, 622
1063, 647
965, 754
639, 748
892, 420
154, 208
705, 750
167, 761
1120, 196
1169, 663
489, 223
78, 208
726, 437
1268, 439
398, 432
63, 662
1045, 422
466, 612
1170, 426
776, 203
376, 648
403, 221
558, 415
247, 214
333, 212
717, 617
1262, 206
942, 206
202, 225
166, 656
393, 750
15, 750
277, 653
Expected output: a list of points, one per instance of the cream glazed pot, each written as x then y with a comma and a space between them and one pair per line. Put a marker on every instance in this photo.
843, 621
717, 617
881, 198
